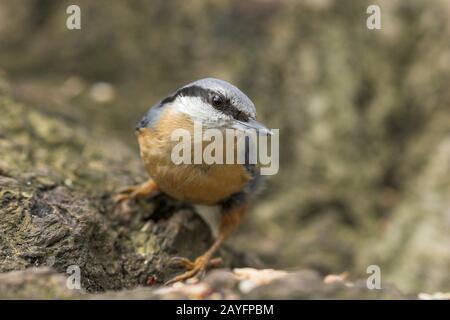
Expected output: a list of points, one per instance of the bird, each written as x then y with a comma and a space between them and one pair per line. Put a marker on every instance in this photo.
215, 104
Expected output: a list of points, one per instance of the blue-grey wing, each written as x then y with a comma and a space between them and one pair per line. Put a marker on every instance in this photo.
151, 117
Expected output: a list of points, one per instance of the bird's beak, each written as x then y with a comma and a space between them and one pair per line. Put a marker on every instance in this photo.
251, 124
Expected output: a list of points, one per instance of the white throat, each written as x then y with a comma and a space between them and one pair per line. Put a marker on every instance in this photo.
199, 110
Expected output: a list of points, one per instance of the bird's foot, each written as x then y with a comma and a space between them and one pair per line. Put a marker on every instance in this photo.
195, 268
122, 200
146, 189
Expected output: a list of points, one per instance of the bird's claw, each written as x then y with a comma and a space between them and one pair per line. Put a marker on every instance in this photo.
127, 189
146, 189
182, 262
195, 268
127, 194
189, 264
122, 197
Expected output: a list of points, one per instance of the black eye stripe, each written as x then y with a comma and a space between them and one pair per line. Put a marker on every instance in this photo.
218, 101
223, 103
207, 96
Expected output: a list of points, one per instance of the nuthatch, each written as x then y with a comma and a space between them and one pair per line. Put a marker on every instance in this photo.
215, 104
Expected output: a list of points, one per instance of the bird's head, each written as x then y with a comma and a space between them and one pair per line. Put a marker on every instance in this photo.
215, 104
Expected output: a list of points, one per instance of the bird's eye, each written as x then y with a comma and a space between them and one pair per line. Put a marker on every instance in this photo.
217, 101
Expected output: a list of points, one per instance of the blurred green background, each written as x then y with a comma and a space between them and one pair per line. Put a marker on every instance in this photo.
364, 115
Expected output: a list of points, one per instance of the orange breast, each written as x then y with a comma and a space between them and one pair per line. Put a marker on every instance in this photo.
202, 184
